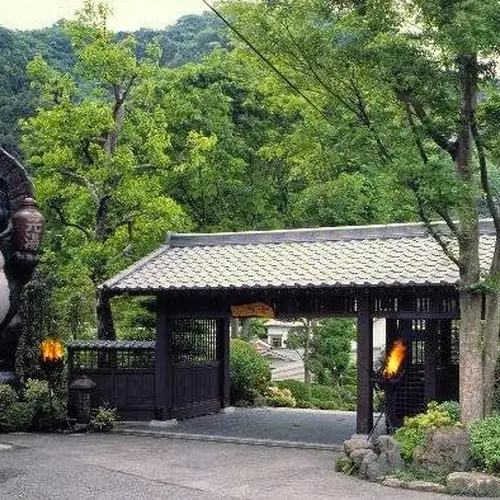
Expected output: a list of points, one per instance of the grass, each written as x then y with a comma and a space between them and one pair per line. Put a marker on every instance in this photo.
413, 473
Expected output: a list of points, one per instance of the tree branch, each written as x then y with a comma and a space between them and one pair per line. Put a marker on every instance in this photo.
485, 183
82, 181
66, 222
449, 222
436, 234
431, 128
413, 127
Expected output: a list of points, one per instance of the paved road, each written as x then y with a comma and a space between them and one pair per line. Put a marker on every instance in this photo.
80, 467
274, 424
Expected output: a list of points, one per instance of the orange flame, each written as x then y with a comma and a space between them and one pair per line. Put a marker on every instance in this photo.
394, 359
52, 350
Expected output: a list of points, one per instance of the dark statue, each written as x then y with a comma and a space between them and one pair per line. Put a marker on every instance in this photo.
21, 228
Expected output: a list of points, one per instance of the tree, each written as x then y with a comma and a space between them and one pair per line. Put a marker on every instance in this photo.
419, 80
98, 158
300, 338
326, 348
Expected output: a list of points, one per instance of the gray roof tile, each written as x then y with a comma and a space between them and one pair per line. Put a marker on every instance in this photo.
389, 255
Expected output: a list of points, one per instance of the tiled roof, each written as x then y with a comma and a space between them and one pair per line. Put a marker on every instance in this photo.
384, 255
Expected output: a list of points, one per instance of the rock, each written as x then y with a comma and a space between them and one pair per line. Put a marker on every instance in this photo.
367, 469
473, 483
357, 456
426, 486
385, 443
445, 449
389, 454
357, 444
393, 482
364, 437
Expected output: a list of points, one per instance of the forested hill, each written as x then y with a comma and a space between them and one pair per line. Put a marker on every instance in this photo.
188, 40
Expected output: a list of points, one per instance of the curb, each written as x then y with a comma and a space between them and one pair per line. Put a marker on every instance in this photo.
230, 439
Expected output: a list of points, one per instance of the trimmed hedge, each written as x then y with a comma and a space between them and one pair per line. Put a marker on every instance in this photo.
250, 373
298, 389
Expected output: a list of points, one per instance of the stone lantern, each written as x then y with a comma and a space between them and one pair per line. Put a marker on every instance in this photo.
81, 391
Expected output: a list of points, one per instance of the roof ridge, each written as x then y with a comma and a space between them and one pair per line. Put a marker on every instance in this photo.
375, 231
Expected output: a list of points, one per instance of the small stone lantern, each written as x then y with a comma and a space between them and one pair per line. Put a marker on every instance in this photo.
81, 395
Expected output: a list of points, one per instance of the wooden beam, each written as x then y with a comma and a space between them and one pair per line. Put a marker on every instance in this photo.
163, 393
223, 340
430, 369
364, 416
419, 315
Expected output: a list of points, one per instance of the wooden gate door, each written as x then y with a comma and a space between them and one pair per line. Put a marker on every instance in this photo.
195, 366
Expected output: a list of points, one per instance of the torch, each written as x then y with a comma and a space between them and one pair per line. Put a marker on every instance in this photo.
51, 362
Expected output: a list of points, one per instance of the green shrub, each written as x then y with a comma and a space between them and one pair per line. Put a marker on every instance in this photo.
250, 373
325, 405
414, 429
334, 398
49, 411
280, 397
485, 443
322, 392
299, 389
8, 397
17, 417
304, 404
103, 419
450, 407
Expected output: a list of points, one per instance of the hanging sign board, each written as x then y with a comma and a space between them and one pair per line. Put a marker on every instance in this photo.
257, 310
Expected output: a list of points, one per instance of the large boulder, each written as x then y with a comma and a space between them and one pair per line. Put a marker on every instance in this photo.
389, 453
473, 483
368, 468
357, 456
383, 460
360, 443
446, 449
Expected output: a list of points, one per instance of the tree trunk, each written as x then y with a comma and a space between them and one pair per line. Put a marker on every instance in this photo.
471, 348
105, 326
471, 366
235, 328
490, 347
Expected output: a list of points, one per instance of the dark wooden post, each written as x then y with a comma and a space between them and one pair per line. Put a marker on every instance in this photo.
163, 393
223, 339
430, 370
364, 416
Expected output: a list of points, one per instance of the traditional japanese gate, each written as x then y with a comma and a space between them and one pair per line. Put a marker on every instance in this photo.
395, 272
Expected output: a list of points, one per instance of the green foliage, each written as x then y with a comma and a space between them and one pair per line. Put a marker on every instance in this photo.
8, 397
344, 465
304, 404
15, 415
326, 404
49, 411
276, 396
485, 443
414, 429
103, 419
298, 389
249, 372
16, 418
331, 350
414, 473
450, 407
322, 392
